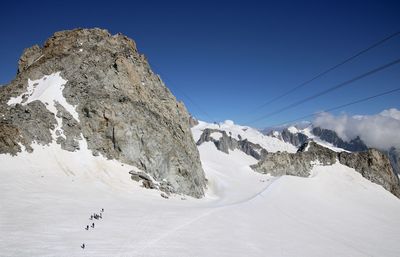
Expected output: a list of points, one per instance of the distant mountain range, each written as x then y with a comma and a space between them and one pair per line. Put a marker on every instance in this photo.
298, 135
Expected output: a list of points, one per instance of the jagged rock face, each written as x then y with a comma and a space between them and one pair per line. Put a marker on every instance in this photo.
225, 143
394, 157
374, 166
125, 111
298, 164
23, 125
296, 139
354, 145
193, 121
371, 164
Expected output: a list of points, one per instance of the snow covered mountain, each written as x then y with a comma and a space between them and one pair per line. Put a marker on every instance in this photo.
330, 139
97, 159
333, 212
297, 136
278, 161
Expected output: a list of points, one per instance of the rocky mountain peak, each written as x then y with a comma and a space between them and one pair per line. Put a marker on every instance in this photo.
225, 143
330, 136
77, 41
88, 85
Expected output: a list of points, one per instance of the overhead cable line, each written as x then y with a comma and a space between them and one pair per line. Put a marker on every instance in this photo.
326, 91
341, 106
380, 42
185, 95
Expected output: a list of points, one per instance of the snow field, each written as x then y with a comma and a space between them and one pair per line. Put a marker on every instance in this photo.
46, 198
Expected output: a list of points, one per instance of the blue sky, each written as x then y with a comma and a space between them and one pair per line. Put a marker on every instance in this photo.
226, 58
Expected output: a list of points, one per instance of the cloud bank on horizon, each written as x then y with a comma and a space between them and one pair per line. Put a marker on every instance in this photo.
381, 130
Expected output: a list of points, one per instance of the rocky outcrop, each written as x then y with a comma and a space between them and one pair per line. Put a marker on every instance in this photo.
149, 183
374, 166
193, 121
330, 136
394, 157
125, 112
371, 164
356, 145
298, 164
296, 139
20, 125
226, 143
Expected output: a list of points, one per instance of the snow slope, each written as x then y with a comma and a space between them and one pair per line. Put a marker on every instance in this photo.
47, 197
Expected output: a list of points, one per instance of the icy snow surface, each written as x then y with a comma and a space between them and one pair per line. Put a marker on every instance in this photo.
293, 129
46, 199
216, 135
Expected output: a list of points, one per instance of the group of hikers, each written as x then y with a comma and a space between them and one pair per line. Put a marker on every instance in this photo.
93, 216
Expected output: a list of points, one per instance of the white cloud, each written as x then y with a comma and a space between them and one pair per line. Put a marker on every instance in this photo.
380, 131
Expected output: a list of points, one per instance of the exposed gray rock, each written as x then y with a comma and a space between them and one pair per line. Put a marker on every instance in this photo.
139, 175
148, 184
125, 110
223, 144
330, 136
226, 143
29, 56
70, 127
323, 155
283, 163
356, 145
251, 149
193, 121
371, 164
163, 195
296, 139
394, 157
23, 124
166, 187
298, 164
374, 166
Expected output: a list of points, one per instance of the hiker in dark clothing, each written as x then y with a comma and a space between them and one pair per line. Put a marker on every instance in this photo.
91, 217
102, 209
87, 227
92, 225
83, 246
